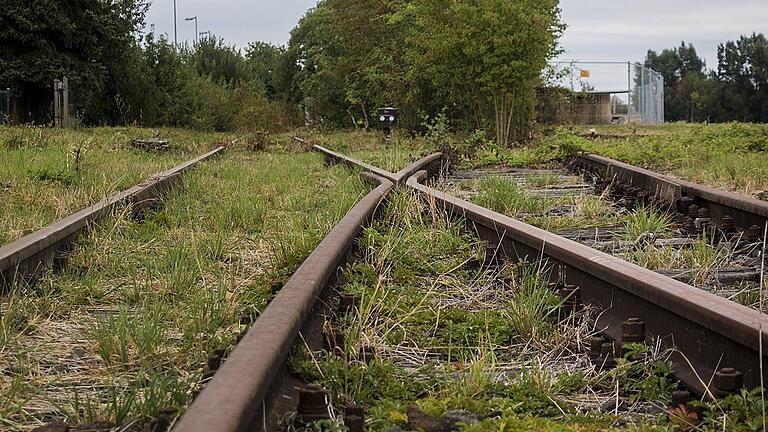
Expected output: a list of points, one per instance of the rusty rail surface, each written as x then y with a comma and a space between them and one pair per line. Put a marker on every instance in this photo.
430, 163
746, 212
708, 332
28, 257
236, 399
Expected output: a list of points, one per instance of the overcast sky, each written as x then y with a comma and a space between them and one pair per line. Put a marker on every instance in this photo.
598, 30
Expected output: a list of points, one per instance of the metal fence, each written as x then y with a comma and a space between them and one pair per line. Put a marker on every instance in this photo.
602, 93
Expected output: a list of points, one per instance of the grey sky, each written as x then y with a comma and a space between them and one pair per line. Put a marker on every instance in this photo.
599, 30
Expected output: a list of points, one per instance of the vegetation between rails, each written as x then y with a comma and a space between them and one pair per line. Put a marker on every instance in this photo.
481, 348
125, 330
647, 236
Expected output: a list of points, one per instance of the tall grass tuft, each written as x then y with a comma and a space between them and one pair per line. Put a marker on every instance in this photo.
502, 195
647, 220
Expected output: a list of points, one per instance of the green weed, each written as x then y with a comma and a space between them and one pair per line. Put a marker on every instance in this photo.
647, 221
502, 195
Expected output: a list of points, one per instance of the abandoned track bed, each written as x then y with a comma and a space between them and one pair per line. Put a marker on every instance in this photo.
623, 221
711, 343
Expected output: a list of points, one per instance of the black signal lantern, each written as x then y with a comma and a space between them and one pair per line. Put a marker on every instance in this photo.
387, 119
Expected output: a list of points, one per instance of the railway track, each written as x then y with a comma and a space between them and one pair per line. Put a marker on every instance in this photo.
625, 221
27, 258
715, 343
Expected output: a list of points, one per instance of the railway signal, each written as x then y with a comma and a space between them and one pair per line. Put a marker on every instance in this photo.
387, 119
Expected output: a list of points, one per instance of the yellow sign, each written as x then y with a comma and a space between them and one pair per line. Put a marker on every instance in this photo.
584, 73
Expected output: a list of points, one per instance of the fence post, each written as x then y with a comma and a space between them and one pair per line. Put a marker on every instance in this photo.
629, 92
61, 103
56, 103
65, 102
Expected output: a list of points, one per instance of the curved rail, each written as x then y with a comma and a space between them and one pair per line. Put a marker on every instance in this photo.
707, 331
430, 163
28, 257
252, 386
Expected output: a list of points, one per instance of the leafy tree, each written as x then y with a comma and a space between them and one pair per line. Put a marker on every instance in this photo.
743, 72
478, 60
85, 40
737, 90
487, 56
267, 65
350, 55
213, 58
681, 68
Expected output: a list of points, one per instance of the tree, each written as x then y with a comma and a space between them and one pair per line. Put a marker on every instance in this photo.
267, 66
224, 64
350, 57
743, 72
487, 56
680, 67
477, 60
83, 39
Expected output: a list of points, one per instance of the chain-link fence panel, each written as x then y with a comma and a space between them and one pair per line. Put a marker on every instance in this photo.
601, 93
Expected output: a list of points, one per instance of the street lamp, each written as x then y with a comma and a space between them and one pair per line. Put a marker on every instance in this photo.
194, 18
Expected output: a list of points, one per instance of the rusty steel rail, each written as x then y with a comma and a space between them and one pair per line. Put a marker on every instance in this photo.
252, 386
334, 157
237, 398
746, 212
27, 258
707, 332
430, 163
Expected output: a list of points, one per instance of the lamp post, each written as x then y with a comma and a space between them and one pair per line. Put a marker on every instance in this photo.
194, 18
175, 31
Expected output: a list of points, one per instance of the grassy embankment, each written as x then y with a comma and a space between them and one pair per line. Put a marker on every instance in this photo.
46, 174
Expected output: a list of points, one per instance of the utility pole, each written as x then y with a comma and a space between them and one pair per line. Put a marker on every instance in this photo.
175, 30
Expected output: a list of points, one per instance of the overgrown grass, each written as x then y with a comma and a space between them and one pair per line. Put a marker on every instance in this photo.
504, 196
700, 260
46, 174
126, 328
647, 221
731, 156
542, 180
451, 335
370, 147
